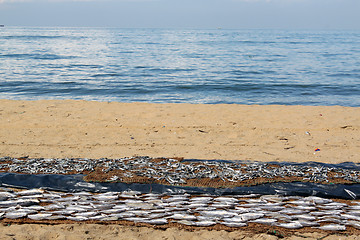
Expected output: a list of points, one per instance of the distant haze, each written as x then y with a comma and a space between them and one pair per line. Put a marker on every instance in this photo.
233, 14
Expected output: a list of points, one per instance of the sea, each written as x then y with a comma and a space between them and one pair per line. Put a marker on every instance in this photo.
209, 66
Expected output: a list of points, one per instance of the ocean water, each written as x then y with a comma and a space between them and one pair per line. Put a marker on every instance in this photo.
181, 66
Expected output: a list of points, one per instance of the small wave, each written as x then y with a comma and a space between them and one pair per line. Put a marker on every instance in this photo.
251, 72
104, 75
164, 70
31, 37
36, 56
346, 75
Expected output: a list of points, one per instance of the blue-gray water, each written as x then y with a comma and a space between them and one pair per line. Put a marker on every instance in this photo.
194, 66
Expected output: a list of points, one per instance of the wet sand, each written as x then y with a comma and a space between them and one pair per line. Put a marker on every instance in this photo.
59, 129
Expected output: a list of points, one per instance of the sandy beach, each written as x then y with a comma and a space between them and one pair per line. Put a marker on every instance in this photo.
68, 128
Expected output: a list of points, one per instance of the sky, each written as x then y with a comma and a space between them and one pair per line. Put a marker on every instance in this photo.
194, 14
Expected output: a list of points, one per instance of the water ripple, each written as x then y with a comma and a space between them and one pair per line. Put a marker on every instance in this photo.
196, 66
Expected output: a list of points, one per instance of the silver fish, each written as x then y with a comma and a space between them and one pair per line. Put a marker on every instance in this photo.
305, 217
234, 219
31, 196
306, 208
142, 205
9, 203
317, 200
51, 196
77, 218
226, 199
197, 205
31, 192
241, 210
330, 219
201, 199
6, 195
354, 212
114, 210
106, 197
205, 223
308, 224
56, 217
333, 227
34, 207
86, 214
103, 206
122, 215
234, 224
159, 221
16, 214
180, 216
87, 194
272, 208
350, 217
218, 213
158, 215
290, 225
354, 224
251, 216
292, 211
39, 216
140, 213
109, 218
266, 221
187, 222
137, 219
272, 198
76, 209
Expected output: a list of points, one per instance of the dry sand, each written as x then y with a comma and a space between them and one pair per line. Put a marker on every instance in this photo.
232, 132
59, 129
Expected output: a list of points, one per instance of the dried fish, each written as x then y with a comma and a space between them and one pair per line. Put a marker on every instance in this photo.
333, 227
205, 223
187, 222
182, 216
218, 214
266, 221
77, 218
31, 192
234, 224
290, 225
16, 214
39, 216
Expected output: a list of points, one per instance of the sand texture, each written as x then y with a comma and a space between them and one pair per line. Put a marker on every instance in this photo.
98, 231
60, 129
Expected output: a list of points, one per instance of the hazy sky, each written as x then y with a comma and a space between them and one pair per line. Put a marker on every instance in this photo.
234, 14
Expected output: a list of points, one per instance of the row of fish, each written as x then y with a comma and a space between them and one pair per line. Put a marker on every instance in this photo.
290, 212
177, 172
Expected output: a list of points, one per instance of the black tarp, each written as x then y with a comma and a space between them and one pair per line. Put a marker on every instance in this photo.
75, 183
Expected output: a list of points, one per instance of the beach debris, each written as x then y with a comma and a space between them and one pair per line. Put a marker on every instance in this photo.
351, 194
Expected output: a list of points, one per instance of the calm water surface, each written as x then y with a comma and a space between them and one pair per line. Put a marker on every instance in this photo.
192, 66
